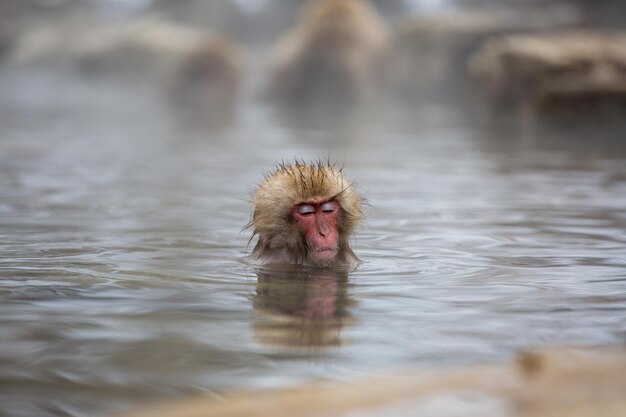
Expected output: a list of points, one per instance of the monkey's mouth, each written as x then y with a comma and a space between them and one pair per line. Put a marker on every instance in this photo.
327, 248
324, 256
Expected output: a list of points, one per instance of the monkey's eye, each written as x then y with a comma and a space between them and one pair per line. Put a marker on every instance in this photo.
329, 207
305, 209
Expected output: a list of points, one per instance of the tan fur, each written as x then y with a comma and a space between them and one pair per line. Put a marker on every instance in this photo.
336, 53
209, 78
280, 241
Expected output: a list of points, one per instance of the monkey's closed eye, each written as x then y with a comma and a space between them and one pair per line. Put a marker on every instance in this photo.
329, 206
305, 209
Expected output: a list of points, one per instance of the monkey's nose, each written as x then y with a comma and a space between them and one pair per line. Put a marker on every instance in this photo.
322, 227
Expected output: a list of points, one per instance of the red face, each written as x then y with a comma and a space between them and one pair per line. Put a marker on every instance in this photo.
318, 220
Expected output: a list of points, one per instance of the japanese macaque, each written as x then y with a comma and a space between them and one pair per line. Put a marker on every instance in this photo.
335, 55
208, 80
305, 214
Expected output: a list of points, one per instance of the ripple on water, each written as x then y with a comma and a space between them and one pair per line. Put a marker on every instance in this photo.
121, 278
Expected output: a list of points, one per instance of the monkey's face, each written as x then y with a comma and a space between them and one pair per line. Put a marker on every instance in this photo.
318, 222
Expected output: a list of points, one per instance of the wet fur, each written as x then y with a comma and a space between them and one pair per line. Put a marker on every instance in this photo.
279, 239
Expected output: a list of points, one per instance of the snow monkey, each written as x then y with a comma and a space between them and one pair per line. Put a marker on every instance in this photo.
305, 214
335, 55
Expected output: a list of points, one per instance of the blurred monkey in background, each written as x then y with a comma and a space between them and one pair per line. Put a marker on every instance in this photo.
334, 56
207, 82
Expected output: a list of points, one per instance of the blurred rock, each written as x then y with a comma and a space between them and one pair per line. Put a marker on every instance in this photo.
431, 52
199, 72
144, 46
559, 382
595, 13
333, 58
603, 13
558, 73
19, 17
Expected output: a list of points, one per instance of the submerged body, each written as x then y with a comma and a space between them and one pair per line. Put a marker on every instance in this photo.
305, 214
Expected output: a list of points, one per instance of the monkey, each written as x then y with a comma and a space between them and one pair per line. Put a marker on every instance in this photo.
208, 79
304, 214
334, 56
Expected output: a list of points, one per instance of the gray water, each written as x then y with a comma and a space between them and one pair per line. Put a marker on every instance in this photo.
121, 273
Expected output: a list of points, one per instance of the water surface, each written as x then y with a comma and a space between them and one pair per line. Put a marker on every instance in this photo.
121, 241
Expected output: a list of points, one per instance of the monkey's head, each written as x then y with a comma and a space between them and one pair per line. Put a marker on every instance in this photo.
305, 214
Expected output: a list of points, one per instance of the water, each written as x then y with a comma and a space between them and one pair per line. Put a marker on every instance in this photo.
121, 280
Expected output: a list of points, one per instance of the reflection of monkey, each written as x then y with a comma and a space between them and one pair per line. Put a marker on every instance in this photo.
208, 80
334, 56
305, 214
300, 307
